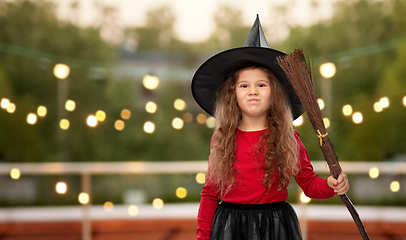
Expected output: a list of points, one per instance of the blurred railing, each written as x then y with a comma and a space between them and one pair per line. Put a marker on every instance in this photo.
179, 167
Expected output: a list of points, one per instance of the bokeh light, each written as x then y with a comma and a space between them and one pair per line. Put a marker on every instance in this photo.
61, 71
119, 125
181, 192
15, 173
64, 124
200, 178
151, 107
42, 111
304, 198
347, 110
158, 203
211, 122
328, 70
31, 118
384, 102
395, 186
83, 198
108, 206
357, 118
374, 172
91, 121
100, 115
125, 114
133, 210
378, 107
11, 108
321, 103
4, 103
298, 121
150, 82
187, 117
177, 123
70, 105
404, 101
326, 122
201, 118
61, 187
149, 127
179, 104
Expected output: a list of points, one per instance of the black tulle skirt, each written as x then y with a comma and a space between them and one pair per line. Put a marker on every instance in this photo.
273, 221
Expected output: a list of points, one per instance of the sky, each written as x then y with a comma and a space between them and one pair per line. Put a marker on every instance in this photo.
194, 18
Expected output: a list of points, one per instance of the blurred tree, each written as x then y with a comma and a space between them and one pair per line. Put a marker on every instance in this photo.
33, 41
361, 39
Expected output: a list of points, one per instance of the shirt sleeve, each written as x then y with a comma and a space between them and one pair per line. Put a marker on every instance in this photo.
208, 205
311, 184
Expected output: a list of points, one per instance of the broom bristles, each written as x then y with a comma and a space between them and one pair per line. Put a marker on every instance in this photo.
299, 75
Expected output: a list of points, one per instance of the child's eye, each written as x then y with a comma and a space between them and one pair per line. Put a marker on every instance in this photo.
243, 86
262, 85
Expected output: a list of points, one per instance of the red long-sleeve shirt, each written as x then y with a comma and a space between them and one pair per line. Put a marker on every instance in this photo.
249, 188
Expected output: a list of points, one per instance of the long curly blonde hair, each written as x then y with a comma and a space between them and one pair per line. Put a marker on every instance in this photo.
281, 155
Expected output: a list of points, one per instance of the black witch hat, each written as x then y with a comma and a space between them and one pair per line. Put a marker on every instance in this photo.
255, 52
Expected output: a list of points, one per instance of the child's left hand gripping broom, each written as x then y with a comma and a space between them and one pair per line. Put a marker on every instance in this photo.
299, 74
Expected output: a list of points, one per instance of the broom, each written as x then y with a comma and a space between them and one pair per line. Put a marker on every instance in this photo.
298, 71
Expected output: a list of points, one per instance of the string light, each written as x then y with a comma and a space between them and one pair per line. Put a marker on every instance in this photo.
321, 103
395, 186
61, 187
373, 172
347, 110
83, 198
326, 122
357, 118
133, 210
327, 70
384, 102
298, 121
179, 104
404, 101
150, 82
125, 114
100, 115
91, 121
70, 105
211, 122
15, 173
4, 103
378, 107
149, 127
119, 125
181, 192
200, 178
31, 118
11, 108
177, 123
42, 111
304, 198
64, 124
201, 118
108, 206
61, 71
151, 107
158, 203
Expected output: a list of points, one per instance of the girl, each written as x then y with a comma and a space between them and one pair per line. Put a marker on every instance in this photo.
254, 148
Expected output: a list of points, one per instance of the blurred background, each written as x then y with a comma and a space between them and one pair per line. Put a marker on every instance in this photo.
100, 137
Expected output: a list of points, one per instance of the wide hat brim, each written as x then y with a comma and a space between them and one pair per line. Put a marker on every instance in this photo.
213, 73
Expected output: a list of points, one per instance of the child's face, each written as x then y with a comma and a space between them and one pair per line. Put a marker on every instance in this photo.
253, 93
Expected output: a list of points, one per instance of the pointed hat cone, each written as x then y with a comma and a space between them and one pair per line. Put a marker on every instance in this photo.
255, 52
256, 37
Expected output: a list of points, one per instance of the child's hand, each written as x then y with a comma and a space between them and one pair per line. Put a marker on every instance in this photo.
341, 185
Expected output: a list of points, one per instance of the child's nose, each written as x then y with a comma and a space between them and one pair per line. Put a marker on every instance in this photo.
253, 90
